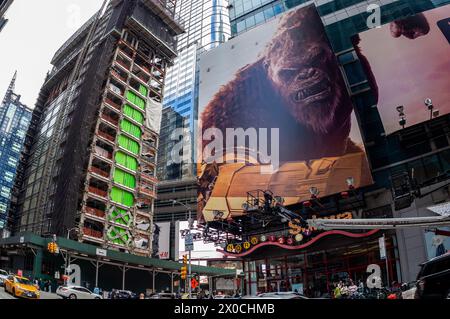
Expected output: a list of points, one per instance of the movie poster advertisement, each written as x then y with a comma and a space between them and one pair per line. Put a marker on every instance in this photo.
274, 114
161, 240
411, 66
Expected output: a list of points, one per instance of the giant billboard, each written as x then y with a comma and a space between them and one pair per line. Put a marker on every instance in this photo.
410, 66
275, 114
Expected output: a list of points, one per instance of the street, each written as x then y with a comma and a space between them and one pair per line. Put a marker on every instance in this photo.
44, 295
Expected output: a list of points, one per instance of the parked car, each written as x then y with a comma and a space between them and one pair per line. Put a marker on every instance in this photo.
277, 295
21, 287
76, 292
3, 276
164, 295
433, 280
409, 290
124, 294
222, 297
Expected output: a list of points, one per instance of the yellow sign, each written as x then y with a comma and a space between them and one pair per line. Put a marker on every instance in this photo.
299, 237
230, 248
254, 240
247, 245
238, 248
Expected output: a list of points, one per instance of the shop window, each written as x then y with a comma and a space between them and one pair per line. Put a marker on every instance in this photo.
445, 159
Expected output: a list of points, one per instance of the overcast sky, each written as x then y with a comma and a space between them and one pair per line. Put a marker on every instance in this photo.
36, 29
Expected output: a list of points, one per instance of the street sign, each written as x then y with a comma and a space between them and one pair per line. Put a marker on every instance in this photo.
101, 252
19, 273
189, 242
382, 245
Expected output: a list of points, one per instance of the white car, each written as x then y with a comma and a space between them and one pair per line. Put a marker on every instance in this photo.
76, 292
277, 295
3, 276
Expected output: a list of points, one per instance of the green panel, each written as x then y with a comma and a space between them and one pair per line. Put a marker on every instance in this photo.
126, 160
143, 90
124, 219
121, 196
130, 128
136, 100
129, 144
116, 231
124, 178
134, 114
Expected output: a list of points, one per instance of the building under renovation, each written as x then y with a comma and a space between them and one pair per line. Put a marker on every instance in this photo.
4, 5
92, 146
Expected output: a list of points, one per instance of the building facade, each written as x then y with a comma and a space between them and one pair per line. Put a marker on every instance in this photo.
90, 170
207, 26
171, 147
185, 194
14, 121
417, 155
4, 5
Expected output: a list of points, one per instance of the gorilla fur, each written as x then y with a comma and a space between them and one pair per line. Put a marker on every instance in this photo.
296, 86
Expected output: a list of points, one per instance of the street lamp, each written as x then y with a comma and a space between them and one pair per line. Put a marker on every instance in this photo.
66, 261
429, 104
189, 232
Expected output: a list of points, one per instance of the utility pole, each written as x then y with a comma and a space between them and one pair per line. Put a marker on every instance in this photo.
190, 252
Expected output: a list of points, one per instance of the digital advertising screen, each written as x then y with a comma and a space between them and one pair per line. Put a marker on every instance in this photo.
275, 114
411, 66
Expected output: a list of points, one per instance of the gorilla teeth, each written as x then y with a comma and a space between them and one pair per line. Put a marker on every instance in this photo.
313, 90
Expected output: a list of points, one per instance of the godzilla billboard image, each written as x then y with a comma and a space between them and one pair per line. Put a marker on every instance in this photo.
275, 114
411, 66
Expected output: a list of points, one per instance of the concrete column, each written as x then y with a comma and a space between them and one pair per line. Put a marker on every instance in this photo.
171, 282
96, 273
123, 277
37, 263
153, 279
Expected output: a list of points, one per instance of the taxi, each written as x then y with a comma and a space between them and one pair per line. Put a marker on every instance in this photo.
21, 287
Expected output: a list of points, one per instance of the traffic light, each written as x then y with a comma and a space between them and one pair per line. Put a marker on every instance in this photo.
52, 247
185, 259
184, 272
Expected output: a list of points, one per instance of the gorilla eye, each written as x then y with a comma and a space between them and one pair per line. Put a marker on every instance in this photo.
287, 74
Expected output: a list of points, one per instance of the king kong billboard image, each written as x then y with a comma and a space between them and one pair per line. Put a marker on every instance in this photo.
411, 66
275, 114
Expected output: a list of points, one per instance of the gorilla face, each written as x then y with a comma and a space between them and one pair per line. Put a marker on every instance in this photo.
303, 70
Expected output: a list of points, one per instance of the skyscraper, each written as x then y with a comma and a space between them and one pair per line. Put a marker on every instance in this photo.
246, 14
4, 5
207, 25
14, 120
90, 168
